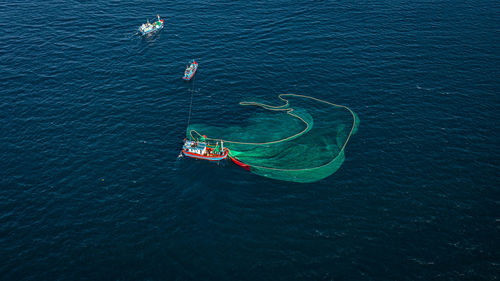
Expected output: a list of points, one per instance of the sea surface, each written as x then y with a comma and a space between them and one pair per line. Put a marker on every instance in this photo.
92, 118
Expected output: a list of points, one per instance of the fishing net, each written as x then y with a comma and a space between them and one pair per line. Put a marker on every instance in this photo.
301, 140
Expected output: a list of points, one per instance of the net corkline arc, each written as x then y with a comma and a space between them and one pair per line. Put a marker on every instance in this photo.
299, 143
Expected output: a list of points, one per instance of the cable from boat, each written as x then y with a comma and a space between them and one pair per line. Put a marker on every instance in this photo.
190, 103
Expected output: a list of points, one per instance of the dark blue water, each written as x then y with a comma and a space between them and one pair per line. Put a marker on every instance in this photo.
93, 115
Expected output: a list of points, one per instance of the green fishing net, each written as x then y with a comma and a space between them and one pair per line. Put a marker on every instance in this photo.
301, 139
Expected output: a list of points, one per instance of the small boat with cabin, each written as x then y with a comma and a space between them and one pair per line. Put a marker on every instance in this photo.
204, 151
147, 27
190, 70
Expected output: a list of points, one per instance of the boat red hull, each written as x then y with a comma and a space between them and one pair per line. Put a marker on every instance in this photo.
205, 157
239, 163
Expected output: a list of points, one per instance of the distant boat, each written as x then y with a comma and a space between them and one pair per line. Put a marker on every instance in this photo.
190, 70
204, 151
147, 28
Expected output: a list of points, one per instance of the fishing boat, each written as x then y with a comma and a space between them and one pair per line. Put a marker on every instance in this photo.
148, 27
190, 70
202, 150
239, 163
